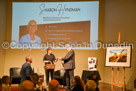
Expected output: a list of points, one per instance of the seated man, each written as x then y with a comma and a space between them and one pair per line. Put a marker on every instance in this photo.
54, 85
26, 86
5, 82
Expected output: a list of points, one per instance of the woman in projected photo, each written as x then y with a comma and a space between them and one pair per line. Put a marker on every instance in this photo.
31, 37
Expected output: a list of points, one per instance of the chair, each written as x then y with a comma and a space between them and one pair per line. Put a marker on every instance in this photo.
60, 75
15, 76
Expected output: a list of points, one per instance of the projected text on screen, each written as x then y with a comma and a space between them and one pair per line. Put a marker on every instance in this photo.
55, 24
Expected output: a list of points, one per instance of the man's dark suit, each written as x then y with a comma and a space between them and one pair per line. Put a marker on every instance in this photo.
26, 71
69, 66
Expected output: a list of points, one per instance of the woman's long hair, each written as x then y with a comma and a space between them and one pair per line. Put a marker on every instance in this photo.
79, 81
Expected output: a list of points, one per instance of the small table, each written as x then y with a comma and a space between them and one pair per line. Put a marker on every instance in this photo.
87, 73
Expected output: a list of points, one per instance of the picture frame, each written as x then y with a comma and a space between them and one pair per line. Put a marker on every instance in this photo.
92, 63
118, 56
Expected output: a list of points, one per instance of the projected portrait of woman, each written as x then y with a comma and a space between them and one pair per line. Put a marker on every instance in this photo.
31, 37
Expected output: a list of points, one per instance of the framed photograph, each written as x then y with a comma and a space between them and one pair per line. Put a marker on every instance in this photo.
92, 61
118, 56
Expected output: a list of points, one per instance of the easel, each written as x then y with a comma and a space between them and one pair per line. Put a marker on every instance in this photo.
118, 84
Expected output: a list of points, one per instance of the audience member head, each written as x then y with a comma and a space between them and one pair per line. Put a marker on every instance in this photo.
92, 77
90, 85
54, 85
26, 86
34, 77
77, 81
5, 80
29, 59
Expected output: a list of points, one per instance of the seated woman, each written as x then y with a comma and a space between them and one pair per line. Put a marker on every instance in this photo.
90, 85
5, 83
95, 79
78, 84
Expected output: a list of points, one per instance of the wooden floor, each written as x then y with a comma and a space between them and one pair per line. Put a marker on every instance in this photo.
102, 87
107, 87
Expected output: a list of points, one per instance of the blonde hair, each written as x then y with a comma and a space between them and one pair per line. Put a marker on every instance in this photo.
29, 24
90, 85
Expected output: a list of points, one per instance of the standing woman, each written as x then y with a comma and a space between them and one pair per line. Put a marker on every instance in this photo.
49, 58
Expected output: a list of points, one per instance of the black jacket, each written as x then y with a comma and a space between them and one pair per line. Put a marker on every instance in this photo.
69, 60
78, 88
26, 71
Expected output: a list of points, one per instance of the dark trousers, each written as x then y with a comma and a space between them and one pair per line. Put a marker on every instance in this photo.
49, 72
69, 77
